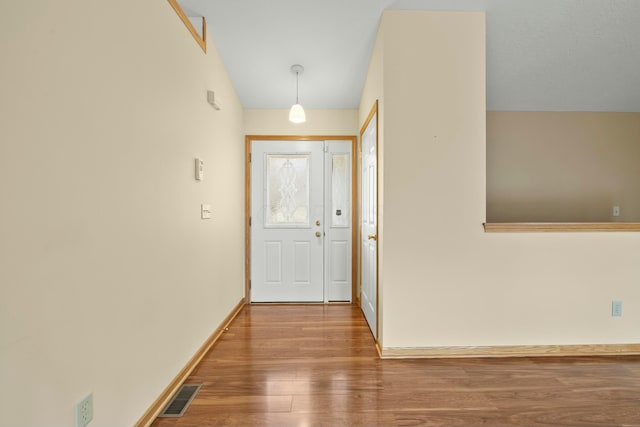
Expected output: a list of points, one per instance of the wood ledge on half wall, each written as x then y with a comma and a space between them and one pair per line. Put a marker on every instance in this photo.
535, 227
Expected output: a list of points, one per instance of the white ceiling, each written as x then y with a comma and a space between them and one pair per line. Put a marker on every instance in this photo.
542, 55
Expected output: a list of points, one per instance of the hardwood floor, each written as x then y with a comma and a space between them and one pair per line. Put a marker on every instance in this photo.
316, 365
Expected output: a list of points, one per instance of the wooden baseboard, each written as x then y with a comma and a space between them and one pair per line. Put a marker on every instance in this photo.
530, 227
379, 349
157, 406
512, 351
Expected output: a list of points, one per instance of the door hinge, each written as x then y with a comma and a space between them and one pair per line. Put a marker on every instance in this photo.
249, 284
249, 221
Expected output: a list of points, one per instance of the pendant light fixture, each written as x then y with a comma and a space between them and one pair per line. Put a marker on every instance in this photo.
296, 114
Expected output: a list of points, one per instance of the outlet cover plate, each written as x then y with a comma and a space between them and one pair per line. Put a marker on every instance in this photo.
616, 308
84, 411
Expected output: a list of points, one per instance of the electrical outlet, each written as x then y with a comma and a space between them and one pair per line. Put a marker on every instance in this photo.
84, 411
616, 211
616, 308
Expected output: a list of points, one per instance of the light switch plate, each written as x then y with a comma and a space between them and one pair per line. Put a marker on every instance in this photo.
205, 211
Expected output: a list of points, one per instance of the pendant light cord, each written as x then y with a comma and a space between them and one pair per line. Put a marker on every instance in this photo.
297, 73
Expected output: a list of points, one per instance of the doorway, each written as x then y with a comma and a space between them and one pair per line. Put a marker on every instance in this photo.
369, 220
300, 238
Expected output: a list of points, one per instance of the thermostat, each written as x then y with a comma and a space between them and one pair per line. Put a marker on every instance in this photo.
199, 169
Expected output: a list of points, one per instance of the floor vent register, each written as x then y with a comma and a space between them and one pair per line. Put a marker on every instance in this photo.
180, 402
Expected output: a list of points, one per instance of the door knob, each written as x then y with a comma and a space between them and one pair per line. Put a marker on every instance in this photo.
318, 234
372, 237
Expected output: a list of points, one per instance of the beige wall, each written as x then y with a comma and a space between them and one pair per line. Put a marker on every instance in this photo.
319, 122
562, 167
445, 282
109, 279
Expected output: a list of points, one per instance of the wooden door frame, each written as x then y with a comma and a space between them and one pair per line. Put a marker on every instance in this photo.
247, 202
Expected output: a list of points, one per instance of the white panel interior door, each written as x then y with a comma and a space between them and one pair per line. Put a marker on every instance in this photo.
369, 291
286, 206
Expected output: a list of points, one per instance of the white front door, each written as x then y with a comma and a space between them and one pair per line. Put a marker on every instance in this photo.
369, 247
287, 203
301, 221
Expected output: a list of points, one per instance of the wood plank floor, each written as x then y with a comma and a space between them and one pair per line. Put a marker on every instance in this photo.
316, 365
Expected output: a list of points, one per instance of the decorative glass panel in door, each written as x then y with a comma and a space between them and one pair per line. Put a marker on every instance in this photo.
287, 190
340, 190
